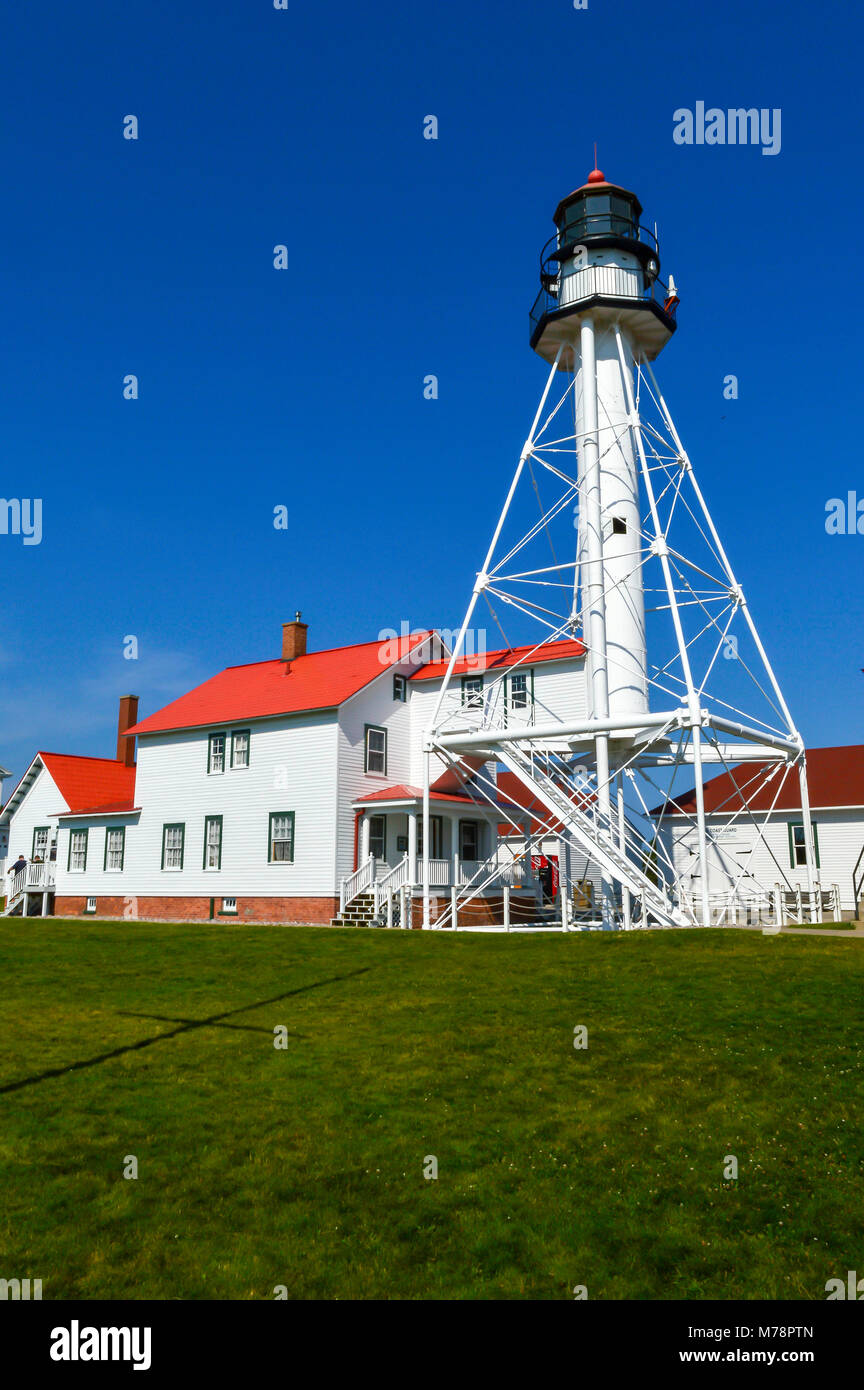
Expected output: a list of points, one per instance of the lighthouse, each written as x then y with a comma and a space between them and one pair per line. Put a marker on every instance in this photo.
599, 300
626, 561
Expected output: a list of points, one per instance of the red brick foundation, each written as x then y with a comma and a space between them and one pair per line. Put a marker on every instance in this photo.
311, 911
483, 912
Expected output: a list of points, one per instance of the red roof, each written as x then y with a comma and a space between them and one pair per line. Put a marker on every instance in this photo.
835, 777
514, 790
405, 793
319, 680
95, 783
503, 660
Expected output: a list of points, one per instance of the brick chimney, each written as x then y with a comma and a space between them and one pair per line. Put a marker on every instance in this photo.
294, 639
127, 717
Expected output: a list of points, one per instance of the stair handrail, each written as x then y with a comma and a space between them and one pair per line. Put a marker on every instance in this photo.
390, 883
19, 882
652, 895
356, 883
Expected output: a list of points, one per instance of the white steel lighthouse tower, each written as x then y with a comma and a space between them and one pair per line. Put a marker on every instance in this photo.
605, 537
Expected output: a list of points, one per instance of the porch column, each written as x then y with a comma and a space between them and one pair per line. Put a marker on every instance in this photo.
364, 837
412, 845
454, 849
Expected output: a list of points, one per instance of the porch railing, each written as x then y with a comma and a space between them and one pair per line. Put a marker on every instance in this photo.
514, 872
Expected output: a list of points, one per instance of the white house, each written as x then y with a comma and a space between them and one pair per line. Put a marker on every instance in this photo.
54, 784
290, 790
768, 847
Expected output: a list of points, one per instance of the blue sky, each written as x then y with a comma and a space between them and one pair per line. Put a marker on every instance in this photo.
303, 387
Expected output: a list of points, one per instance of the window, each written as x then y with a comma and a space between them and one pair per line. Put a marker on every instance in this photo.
436, 836
216, 753
400, 689
40, 843
173, 837
469, 839
376, 749
229, 906
798, 845
281, 847
472, 691
91, 905
115, 848
521, 689
378, 836
213, 842
77, 851
240, 748
619, 526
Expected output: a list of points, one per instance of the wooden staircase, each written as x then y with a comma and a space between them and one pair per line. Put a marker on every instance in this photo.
360, 912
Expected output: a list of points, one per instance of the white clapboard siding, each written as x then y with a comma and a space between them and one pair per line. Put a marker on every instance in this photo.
40, 805
559, 695
94, 880
292, 767
373, 705
840, 836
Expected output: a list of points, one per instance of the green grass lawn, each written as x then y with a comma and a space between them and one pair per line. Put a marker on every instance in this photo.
304, 1166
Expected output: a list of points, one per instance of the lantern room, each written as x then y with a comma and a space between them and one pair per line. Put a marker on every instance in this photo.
599, 209
601, 260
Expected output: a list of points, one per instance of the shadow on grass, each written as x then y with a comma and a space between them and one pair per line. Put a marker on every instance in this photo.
186, 1026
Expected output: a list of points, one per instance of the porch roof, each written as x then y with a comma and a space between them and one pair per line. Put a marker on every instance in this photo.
403, 795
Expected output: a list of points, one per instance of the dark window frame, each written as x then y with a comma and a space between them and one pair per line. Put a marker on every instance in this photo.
382, 837
208, 820
110, 829
174, 825
291, 842
36, 830
791, 827
85, 831
248, 733
477, 825
224, 737
478, 691
374, 729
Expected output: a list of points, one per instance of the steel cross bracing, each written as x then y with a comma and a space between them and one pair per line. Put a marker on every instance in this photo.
713, 699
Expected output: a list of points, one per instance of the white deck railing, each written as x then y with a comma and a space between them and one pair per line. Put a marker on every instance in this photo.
35, 878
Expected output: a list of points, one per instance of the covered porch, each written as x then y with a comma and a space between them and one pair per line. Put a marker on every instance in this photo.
465, 849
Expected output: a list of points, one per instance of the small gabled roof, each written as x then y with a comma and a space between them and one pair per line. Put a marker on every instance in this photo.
835, 778
81, 781
499, 661
266, 689
90, 782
